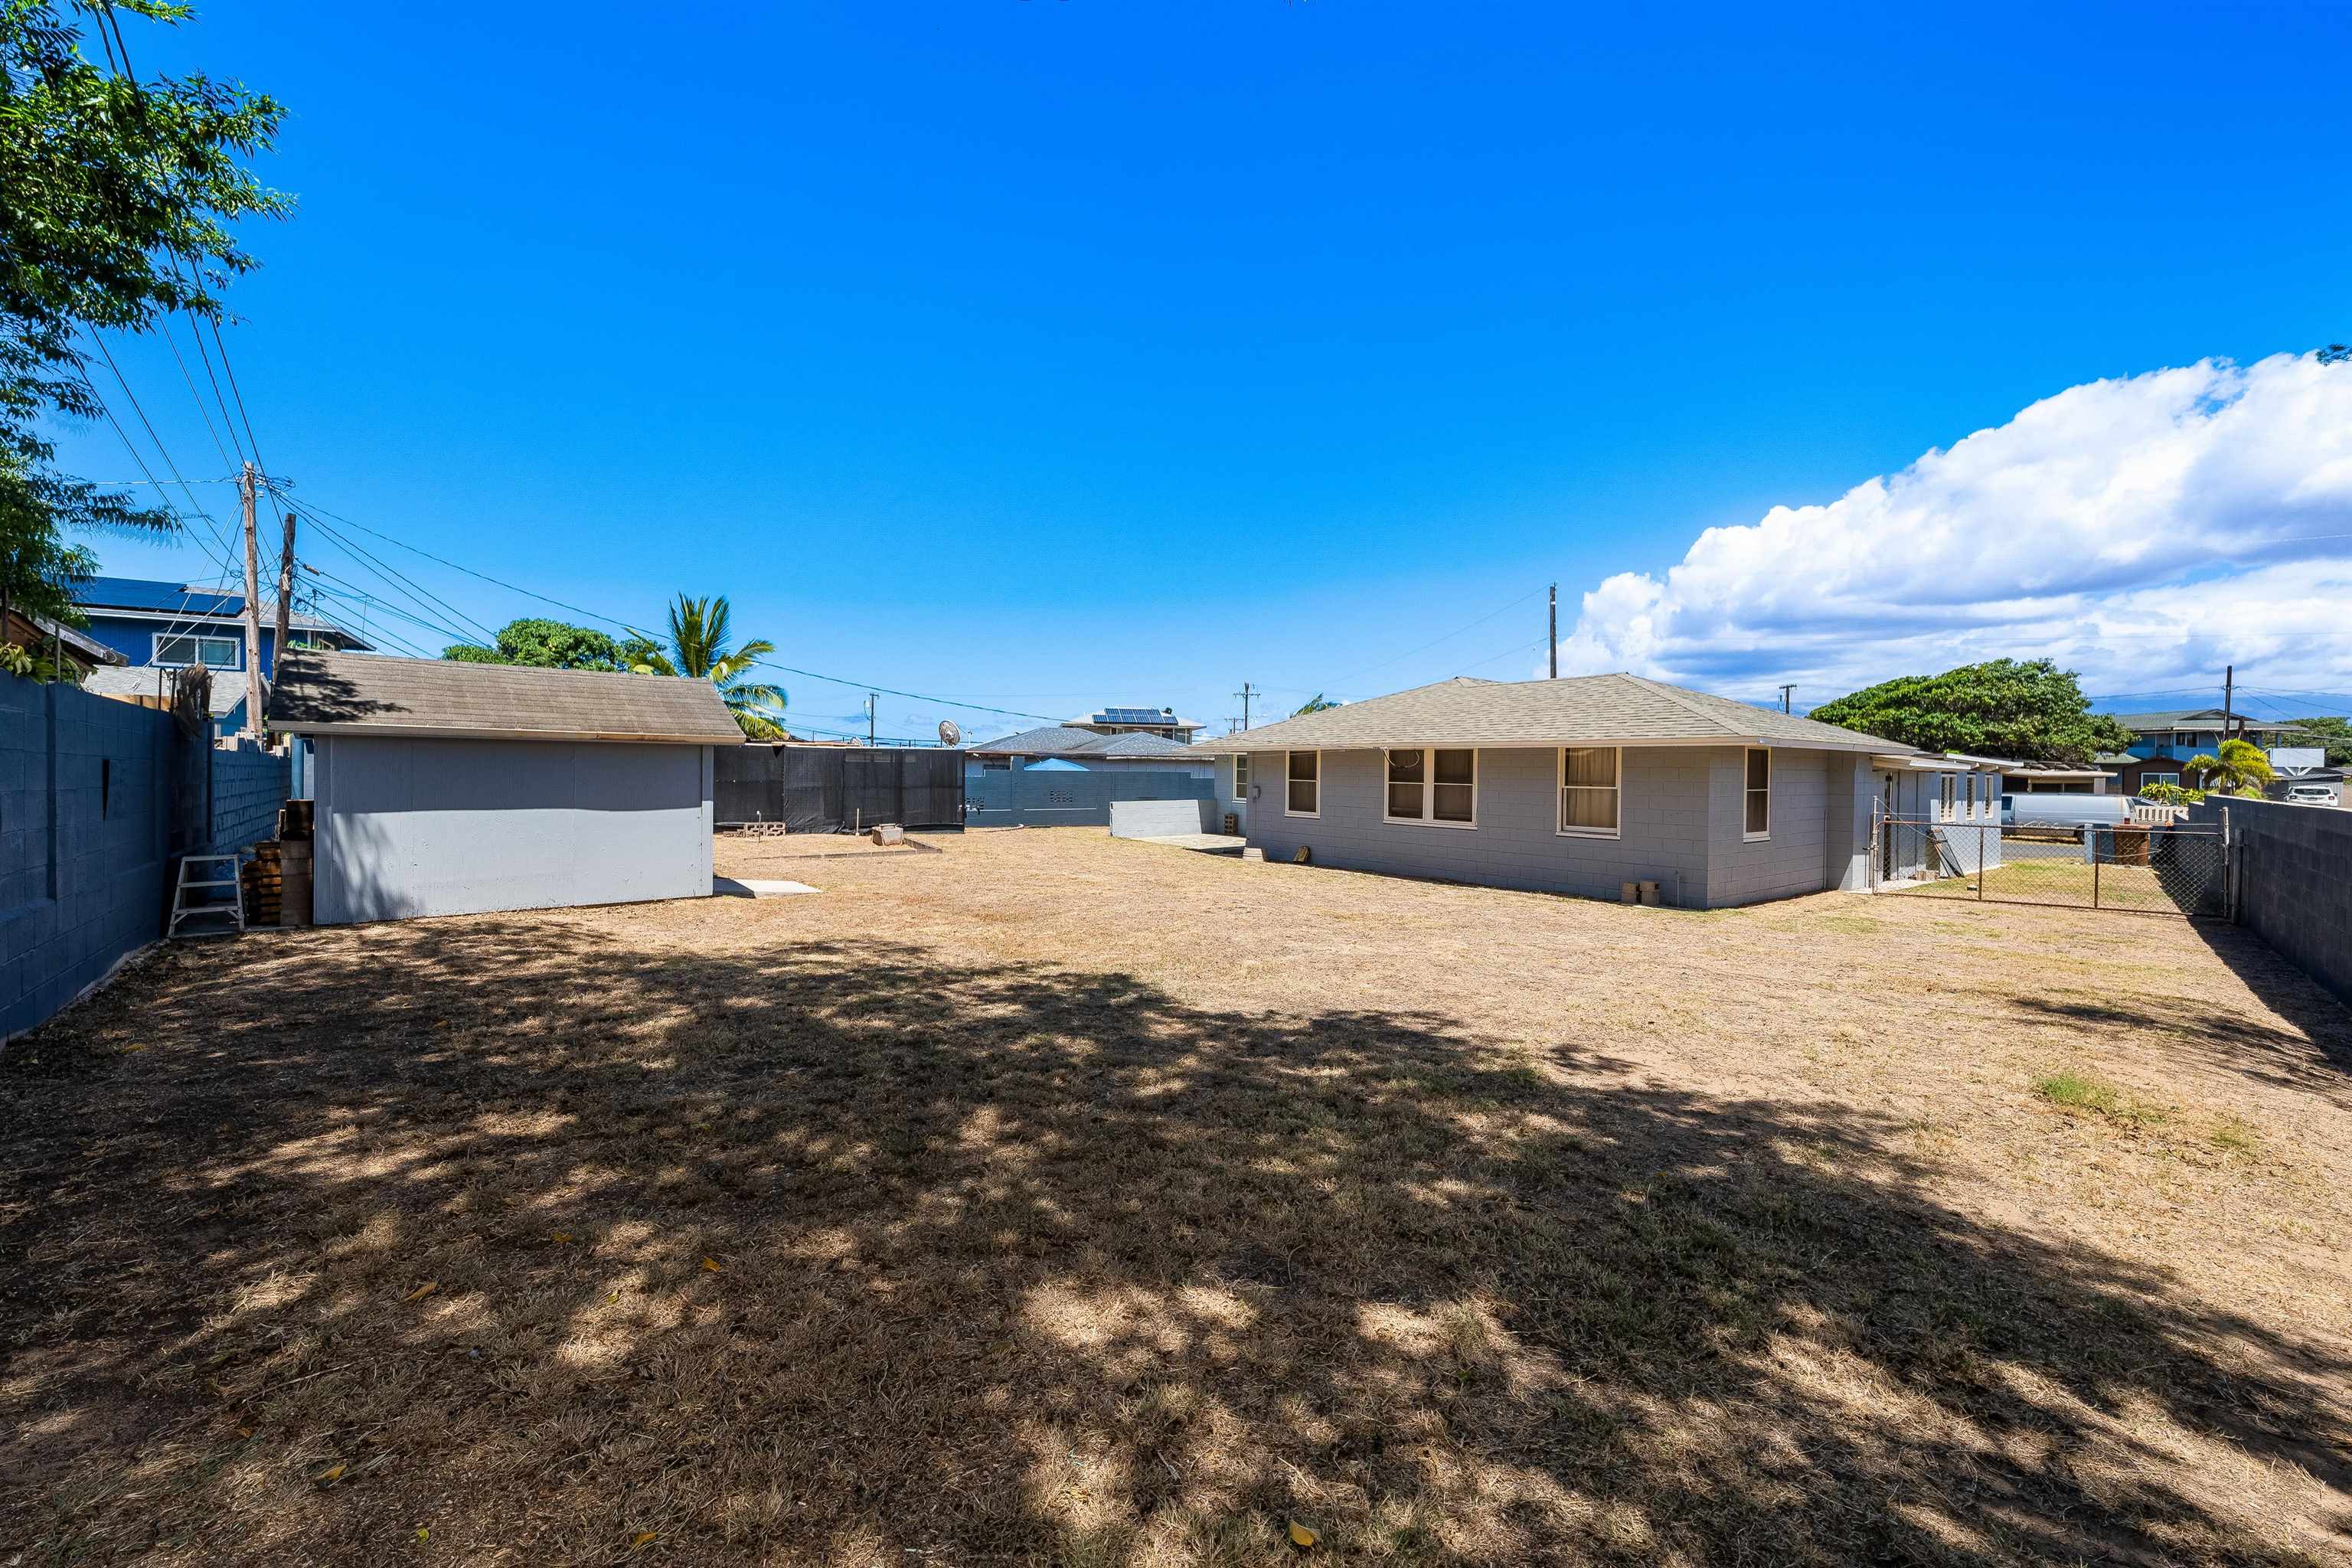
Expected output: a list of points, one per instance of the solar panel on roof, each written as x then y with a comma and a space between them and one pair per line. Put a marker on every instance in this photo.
1132, 716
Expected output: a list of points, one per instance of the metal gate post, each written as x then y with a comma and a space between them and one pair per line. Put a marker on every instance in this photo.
2095, 866
1980, 864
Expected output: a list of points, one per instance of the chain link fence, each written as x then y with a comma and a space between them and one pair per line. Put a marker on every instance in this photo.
2172, 868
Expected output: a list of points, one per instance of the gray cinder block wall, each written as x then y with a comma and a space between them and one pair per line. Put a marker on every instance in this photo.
2294, 881
248, 787
1680, 809
85, 840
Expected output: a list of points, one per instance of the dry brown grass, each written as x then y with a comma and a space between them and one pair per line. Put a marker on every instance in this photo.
1078, 1202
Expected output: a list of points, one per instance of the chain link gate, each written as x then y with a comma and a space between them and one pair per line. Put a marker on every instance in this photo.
2172, 868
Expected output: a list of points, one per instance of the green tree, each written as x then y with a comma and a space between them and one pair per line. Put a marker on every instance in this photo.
698, 631
2334, 734
1318, 703
547, 645
2240, 768
116, 199
2029, 710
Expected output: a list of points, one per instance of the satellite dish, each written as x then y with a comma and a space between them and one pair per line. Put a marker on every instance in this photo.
948, 734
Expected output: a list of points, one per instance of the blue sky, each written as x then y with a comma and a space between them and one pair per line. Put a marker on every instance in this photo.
1051, 353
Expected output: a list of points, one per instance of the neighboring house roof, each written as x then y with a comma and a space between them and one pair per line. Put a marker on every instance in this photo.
1138, 744
1061, 740
2195, 718
1583, 710
140, 594
24, 630
368, 694
1165, 718
1055, 766
140, 598
154, 680
1052, 739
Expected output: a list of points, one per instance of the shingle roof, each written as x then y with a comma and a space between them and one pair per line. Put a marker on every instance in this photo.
366, 694
1138, 744
1061, 740
1591, 709
1052, 740
150, 680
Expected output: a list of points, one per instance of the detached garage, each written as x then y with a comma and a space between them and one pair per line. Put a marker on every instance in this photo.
442, 788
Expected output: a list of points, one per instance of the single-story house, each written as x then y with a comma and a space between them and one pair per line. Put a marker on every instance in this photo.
1065, 748
445, 788
1582, 785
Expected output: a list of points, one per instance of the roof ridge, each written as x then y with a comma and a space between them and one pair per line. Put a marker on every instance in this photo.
1679, 699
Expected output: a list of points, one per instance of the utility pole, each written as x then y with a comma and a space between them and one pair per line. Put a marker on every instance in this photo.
870, 698
1785, 693
285, 594
1246, 694
1553, 641
2229, 696
245, 488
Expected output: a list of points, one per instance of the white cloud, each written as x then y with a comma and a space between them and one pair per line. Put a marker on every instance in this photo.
2144, 531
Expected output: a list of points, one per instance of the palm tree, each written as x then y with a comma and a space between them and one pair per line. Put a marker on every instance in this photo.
1318, 703
2240, 769
697, 648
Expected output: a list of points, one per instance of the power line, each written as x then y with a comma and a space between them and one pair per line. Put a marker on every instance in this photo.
1473, 626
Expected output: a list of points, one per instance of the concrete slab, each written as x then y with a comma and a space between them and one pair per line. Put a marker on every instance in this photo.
756, 888
1202, 843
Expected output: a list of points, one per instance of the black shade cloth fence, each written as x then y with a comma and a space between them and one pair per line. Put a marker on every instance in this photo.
831, 789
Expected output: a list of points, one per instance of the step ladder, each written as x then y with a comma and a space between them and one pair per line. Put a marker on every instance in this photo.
194, 880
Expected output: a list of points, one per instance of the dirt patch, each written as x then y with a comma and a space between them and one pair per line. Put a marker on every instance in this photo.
1068, 1202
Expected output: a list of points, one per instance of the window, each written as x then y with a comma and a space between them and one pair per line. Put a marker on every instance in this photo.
996, 764
1758, 821
1587, 791
1240, 775
218, 653
1305, 784
2148, 779
1433, 786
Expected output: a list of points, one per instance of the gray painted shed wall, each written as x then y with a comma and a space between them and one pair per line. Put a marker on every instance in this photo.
438, 827
1681, 812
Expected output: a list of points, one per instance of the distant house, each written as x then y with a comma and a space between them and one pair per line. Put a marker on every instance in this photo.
1580, 785
1011, 780
159, 626
1067, 748
2164, 741
1161, 722
2056, 778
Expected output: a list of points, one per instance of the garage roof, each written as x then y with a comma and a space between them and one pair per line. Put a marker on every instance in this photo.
368, 694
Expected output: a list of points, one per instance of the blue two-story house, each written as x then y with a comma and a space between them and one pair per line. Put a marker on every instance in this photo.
160, 626
2163, 741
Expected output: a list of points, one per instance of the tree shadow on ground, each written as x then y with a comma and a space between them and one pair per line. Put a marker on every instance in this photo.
2307, 1048
858, 1256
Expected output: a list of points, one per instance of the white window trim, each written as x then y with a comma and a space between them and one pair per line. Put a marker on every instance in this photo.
1559, 792
1745, 791
156, 641
1241, 785
1286, 811
1428, 788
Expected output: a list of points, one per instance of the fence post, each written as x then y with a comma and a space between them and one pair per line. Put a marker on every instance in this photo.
1980, 864
2094, 867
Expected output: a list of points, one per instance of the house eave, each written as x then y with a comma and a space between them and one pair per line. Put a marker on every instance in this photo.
436, 733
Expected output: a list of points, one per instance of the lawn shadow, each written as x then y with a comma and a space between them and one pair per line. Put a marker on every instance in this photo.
2304, 1044
838, 1254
